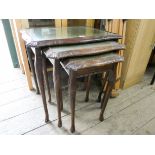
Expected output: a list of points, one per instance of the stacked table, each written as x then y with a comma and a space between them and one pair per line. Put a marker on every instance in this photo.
63, 43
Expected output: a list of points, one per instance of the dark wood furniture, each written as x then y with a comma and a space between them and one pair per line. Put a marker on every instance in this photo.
83, 66
43, 38
46, 65
84, 60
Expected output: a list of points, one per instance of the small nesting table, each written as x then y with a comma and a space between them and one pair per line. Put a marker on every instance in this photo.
52, 41
83, 66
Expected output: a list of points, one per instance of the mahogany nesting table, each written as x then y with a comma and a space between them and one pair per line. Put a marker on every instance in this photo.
52, 41
85, 60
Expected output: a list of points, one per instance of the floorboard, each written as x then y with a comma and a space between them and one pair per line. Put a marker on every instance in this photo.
147, 129
127, 120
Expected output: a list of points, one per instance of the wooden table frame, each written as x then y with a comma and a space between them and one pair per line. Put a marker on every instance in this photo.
40, 46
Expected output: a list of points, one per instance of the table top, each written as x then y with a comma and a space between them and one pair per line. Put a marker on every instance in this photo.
48, 36
62, 52
91, 61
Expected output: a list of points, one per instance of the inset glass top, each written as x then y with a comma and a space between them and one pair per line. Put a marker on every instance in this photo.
46, 36
62, 52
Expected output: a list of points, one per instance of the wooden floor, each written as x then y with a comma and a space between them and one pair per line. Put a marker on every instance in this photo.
21, 111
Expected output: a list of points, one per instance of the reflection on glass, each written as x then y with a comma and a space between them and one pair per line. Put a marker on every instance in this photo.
48, 33
76, 22
41, 22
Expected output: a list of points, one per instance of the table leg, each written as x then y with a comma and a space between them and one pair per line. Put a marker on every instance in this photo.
105, 100
57, 87
46, 77
88, 88
30, 55
110, 85
153, 79
103, 87
72, 95
39, 72
85, 82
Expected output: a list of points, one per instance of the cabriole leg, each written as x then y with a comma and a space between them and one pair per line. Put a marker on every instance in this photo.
57, 87
72, 95
39, 69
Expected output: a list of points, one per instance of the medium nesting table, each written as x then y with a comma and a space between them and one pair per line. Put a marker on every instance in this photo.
52, 41
84, 60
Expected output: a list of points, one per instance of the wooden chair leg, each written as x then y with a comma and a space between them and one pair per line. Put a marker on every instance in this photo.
88, 88
102, 88
46, 78
29, 53
72, 94
153, 79
108, 91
